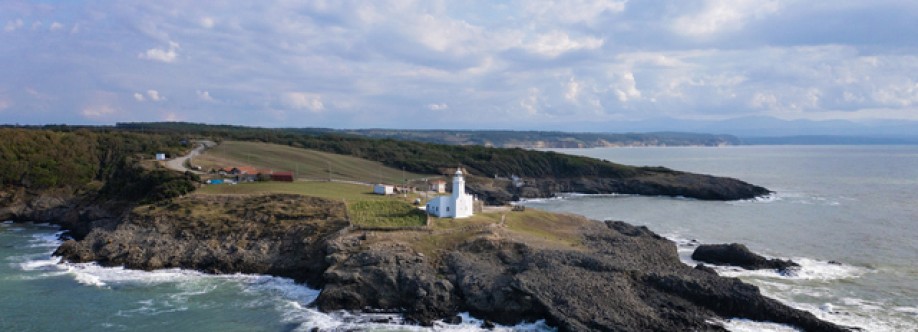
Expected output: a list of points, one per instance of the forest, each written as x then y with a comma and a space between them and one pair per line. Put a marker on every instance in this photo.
98, 158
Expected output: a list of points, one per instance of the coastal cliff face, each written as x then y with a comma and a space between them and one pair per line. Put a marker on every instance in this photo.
578, 274
278, 235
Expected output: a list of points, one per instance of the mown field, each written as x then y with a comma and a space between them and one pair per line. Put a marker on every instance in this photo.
307, 164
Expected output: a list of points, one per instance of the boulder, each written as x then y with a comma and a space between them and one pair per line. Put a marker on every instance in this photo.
736, 254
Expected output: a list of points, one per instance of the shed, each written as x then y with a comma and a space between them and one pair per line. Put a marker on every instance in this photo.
384, 189
160, 156
282, 176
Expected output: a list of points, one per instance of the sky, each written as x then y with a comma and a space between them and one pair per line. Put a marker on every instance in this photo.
557, 65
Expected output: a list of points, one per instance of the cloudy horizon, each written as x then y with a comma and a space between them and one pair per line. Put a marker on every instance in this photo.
458, 65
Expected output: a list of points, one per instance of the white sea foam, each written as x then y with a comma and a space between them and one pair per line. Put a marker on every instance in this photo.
745, 325
44, 240
40, 264
810, 269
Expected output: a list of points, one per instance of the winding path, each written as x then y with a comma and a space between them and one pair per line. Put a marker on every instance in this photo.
178, 163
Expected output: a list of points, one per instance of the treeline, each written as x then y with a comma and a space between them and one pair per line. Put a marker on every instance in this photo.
411, 155
63, 156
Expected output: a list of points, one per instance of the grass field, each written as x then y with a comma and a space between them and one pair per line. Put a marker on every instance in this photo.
365, 208
307, 164
386, 213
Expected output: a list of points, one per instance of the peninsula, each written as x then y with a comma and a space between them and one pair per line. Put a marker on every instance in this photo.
502, 265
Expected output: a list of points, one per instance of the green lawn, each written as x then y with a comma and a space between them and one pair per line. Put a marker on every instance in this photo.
386, 213
365, 208
307, 164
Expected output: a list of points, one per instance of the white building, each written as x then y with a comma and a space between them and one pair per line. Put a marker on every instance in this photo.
457, 205
160, 156
383, 189
438, 186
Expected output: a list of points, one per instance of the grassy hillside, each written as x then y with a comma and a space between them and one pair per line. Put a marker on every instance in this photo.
308, 164
424, 158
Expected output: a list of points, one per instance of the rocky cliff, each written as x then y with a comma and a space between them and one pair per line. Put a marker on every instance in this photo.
506, 267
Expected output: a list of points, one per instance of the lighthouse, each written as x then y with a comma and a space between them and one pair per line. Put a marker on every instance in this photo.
458, 204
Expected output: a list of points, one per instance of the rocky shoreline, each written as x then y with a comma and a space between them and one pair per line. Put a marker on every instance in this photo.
589, 275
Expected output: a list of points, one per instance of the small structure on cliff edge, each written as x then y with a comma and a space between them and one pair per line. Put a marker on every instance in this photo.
457, 205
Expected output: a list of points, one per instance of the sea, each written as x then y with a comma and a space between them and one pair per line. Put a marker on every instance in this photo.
847, 214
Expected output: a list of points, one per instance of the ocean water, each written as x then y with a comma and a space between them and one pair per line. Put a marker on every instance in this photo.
849, 215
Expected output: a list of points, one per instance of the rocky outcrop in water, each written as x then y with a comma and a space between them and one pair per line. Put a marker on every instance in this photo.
736, 254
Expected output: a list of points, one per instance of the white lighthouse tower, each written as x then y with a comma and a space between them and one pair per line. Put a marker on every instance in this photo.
457, 205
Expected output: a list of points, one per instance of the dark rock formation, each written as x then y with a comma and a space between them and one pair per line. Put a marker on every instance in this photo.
670, 183
257, 236
604, 276
623, 278
738, 255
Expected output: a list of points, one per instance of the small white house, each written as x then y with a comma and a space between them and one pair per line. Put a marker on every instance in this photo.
438, 186
160, 156
384, 189
458, 204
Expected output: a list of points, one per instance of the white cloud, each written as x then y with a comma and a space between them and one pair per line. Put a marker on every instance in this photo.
626, 88
532, 102
13, 25
903, 94
162, 55
36, 25
98, 111
573, 11
204, 95
724, 15
172, 116
56, 26
573, 91
139, 96
555, 43
5, 103
207, 22
303, 100
155, 96
438, 107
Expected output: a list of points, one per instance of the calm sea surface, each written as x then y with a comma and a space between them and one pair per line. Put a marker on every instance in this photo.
849, 215
853, 205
